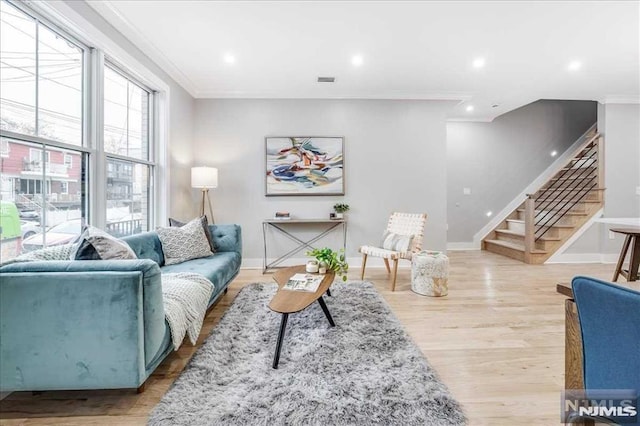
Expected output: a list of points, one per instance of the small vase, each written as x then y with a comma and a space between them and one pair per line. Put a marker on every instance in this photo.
339, 215
312, 267
322, 268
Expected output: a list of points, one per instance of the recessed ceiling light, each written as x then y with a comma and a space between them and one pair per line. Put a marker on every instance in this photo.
229, 58
574, 65
554, 153
489, 213
357, 60
469, 108
479, 62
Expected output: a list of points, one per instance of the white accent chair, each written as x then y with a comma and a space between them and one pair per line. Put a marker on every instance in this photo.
407, 224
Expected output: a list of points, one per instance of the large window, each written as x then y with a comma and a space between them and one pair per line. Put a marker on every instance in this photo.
55, 170
127, 147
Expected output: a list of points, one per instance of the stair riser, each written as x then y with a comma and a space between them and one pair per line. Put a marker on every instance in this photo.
505, 251
566, 220
519, 239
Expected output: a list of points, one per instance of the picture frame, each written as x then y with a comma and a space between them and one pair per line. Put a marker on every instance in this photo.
304, 165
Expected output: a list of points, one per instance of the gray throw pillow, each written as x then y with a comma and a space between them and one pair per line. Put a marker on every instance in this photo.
396, 242
205, 227
95, 244
185, 243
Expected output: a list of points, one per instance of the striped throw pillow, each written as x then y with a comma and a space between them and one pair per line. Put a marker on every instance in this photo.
396, 242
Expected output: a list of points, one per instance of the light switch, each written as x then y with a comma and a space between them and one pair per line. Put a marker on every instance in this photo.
466, 191
637, 190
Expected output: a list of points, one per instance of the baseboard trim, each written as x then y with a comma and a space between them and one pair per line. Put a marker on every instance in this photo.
584, 258
463, 246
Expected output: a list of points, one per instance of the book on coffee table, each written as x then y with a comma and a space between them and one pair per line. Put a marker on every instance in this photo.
304, 282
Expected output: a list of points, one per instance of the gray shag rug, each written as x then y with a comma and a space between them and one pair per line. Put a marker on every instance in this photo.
364, 371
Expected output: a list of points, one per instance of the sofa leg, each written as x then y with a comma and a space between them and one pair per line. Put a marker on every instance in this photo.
141, 388
225, 290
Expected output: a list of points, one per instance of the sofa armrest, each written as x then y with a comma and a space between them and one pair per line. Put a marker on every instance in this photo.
79, 324
227, 237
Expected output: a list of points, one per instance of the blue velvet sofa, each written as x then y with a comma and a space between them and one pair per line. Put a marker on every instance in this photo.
96, 324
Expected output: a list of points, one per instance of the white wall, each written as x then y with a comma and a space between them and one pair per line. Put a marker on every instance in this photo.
498, 160
395, 160
181, 115
620, 124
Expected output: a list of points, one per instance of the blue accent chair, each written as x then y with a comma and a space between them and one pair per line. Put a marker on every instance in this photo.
610, 325
97, 324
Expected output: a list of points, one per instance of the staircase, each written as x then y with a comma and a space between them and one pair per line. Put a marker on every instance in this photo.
535, 230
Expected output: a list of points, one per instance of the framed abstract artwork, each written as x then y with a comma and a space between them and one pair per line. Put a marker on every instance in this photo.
304, 166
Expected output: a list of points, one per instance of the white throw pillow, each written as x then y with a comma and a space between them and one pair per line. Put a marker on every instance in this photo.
184, 243
396, 242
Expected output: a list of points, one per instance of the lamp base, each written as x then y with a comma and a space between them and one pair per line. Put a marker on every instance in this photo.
205, 196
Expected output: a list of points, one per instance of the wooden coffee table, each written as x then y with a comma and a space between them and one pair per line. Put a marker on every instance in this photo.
288, 302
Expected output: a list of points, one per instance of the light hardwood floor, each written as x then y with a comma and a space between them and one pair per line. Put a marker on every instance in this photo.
497, 341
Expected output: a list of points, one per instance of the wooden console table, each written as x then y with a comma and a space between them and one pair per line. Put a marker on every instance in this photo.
280, 225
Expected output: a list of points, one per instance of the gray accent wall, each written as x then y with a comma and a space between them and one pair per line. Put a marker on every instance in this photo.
181, 116
395, 160
497, 160
620, 125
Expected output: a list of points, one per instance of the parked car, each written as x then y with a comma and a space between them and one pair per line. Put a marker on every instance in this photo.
29, 228
62, 233
30, 215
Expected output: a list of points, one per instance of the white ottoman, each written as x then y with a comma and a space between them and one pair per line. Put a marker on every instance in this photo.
430, 273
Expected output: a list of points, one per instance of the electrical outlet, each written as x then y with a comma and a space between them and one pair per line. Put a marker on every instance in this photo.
612, 235
466, 191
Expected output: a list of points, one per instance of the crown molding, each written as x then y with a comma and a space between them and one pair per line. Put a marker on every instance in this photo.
616, 99
214, 94
111, 14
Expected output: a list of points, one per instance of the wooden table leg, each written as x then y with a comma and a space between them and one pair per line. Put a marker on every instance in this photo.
572, 347
623, 254
634, 260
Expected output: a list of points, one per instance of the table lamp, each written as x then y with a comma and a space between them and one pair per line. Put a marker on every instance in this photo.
205, 178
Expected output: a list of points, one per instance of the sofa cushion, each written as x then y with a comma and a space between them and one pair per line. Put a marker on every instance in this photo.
185, 243
146, 245
219, 268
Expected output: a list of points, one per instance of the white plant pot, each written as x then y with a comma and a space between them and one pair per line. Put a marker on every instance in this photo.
339, 215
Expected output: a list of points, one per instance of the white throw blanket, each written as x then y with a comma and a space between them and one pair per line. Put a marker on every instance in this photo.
185, 297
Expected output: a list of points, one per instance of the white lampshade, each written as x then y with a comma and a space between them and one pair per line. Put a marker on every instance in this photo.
204, 177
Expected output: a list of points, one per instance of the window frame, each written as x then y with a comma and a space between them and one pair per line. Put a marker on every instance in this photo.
66, 21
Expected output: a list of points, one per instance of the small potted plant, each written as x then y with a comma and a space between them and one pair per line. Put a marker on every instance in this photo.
331, 260
340, 209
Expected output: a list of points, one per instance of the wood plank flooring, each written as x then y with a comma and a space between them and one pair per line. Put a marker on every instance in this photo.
497, 341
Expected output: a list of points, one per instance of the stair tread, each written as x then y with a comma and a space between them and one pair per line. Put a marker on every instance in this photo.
513, 246
519, 234
569, 213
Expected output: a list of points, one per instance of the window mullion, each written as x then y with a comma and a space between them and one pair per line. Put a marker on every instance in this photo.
37, 82
97, 170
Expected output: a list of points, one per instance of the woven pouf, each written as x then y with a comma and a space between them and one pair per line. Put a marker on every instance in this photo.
430, 273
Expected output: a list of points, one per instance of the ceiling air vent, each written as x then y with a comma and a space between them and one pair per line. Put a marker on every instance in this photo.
326, 79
